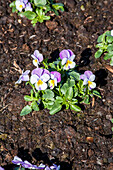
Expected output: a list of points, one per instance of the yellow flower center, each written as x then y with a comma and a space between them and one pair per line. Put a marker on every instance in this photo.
89, 83
20, 6
52, 82
36, 61
68, 62
40, 82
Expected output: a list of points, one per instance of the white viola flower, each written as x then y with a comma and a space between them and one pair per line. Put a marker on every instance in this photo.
88, 77
38, 57
55, 78
67, 57
23, 77
19, 5
28, 7
39, 78
17, 160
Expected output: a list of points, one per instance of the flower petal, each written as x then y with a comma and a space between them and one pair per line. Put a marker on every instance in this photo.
36, 62
26, 72
64, 60
19, 80
25, 78
45, 77
88, 74
34, 78
51, 84
57, 75
27, 164
83, 77
64, 54
91, 85
41, 85
72, 58
85, 82
17, 160
70, 52
92, 77
38, 71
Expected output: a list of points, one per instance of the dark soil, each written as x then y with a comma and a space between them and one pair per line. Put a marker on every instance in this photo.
62, 138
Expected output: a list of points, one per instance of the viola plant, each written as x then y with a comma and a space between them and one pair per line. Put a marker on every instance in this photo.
105, 45
36, 10
57, 85
25, 164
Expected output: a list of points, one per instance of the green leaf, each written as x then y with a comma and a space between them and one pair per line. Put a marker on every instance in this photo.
71, 82
40, 2
98, 53
108, 55
29, 14
100, 45
12, 4
75, 91
34, 106
108, 33
26, 110
28, 98
75, 108
14, 9
49, 95
96, 93
64, 88
56, 108
112, 120
75, 75
109, 39
86, 100
59, 99
111, 62
34, 21
110, 47
52, 65
73, 101
101, 38
58, 6
69, 93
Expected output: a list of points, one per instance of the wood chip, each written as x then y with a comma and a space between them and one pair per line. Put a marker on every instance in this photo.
109, 68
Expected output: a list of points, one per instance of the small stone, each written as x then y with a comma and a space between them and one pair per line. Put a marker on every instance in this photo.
51, 24
90, 139
99, 113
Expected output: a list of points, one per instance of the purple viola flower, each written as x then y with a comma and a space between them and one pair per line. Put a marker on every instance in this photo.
19, 5
25, 1
23, 77
28, 7
38, 57
1, 168
41, 166
67, 57
55, 167
55, 78
39, 78
28, 165
17, 161
88, 77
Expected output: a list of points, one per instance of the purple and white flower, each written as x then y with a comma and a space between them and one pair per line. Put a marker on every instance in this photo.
38, 57
1, 168
88, 77
39, 77
23, 77
41, 166
28, 165
55, 78
17, 161
28, 7
67, 57
20, 5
